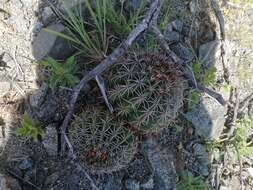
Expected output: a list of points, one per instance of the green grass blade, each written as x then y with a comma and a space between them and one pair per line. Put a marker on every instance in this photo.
61, 35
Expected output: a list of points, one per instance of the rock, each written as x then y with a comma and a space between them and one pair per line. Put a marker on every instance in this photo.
48, 106
25, 164
113, 183
172, 36
3, 182
133, 5
208, 118
132, 184
210, 55
193, 7
37, 26
70, 178
177, 25
69, 4
39, 97
47, 14
148, 185
139, 169
13, 184
161, 161
173, 31
47, 44
201, 153
183, 52
9, 183
49, 140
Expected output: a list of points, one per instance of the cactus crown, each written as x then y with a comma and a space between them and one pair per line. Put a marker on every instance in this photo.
101, 141
147, 90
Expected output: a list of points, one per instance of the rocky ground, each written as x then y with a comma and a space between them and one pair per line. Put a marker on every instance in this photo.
192, 30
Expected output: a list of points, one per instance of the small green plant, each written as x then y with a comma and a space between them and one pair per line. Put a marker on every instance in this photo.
214, 144
194, 99
227, 88
190, 182
207, 76
147, 91
62, 74
102, 142
241, 139
30, 128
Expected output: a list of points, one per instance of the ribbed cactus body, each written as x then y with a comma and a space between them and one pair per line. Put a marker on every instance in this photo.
147, 90
101, 141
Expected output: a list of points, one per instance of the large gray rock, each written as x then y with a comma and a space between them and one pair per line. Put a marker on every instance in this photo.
210, 55
183, 52
208, 118
48, 106
161, 161
48, 44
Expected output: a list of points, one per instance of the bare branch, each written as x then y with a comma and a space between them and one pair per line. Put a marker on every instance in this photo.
212, 93
189, 76
101, 84
220, 18
165, 46
232, 123
245, 103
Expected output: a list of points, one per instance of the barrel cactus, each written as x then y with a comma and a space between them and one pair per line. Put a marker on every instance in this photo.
101, 141
147, 90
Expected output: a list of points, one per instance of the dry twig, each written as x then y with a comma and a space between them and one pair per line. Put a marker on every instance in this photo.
245, 103
232, 124
187, 75
240, 169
